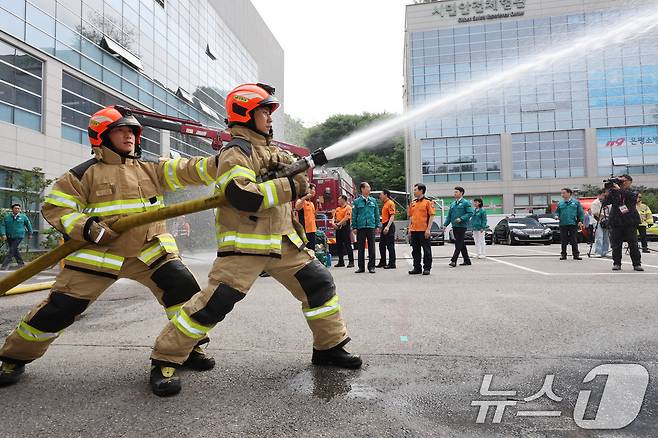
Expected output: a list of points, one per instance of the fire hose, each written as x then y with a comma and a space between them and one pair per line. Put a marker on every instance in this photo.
135, 220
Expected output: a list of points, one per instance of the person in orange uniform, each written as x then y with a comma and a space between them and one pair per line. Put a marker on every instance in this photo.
342, 222
421, 216
307, 207
387, 237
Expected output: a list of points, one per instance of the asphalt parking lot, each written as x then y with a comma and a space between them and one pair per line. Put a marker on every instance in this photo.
437, 351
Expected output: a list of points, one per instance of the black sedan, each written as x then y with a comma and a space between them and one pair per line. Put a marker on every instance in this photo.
551, 221
553, 224
437, 235
513, 231
468, 237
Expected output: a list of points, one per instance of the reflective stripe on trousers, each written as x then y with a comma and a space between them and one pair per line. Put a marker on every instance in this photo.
328, 308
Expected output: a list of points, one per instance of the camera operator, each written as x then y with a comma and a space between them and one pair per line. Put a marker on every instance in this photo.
623, 221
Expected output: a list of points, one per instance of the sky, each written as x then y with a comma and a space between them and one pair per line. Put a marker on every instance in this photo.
341, 56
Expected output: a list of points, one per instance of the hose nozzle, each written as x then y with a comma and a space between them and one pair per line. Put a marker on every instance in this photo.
317, 158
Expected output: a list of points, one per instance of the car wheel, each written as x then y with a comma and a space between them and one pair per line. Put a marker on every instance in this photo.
510, 240
547, 243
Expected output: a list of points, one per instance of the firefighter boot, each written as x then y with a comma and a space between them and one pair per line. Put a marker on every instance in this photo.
336, 356
10, 373
164, 380
198, 360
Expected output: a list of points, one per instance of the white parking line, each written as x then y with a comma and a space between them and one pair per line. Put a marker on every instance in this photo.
569, 274
612, 274
408, 258
540, 252
518, 266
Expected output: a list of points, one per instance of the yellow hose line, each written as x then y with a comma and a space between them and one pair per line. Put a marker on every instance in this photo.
125, 223
34, 287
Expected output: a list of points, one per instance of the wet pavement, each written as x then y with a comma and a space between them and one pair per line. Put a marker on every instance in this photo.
436, 349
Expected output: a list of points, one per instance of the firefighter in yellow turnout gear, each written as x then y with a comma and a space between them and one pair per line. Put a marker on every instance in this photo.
82, 203
255, 233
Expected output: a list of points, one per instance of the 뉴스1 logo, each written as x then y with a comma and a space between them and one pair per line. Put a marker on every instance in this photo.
620, 401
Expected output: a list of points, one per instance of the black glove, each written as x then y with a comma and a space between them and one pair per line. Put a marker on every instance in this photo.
100, 233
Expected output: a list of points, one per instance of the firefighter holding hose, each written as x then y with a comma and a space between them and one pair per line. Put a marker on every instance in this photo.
83, 204
255, 233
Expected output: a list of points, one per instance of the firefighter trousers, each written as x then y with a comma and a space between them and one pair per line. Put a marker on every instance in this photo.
169, 280
229, 281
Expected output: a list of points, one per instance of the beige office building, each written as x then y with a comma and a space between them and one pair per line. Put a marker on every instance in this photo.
565, 125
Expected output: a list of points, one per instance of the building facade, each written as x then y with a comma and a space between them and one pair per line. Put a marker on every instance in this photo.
567, 125
62, 60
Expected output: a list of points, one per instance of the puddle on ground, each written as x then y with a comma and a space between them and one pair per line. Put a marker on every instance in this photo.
328, 383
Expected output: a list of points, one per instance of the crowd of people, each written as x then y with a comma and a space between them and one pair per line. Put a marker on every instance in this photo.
616, 216
356, 224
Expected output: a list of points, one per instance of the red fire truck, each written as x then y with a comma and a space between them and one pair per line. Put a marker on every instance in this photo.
330, 183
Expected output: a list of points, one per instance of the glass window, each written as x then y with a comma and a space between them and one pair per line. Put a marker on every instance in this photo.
40, 20
634, 144
547, 154
10, 23
39, 39
457, 158
79, 101
21, 91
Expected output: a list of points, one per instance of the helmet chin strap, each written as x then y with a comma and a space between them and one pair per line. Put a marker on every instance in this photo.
251, 124
137, 151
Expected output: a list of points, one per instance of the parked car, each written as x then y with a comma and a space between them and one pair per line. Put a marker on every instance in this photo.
468, 237
553, 224
550, 221
437, 235
522, 230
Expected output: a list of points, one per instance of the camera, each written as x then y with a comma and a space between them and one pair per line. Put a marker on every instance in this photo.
608, 183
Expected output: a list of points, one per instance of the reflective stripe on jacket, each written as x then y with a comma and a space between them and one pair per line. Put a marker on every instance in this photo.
111, 187
258, 214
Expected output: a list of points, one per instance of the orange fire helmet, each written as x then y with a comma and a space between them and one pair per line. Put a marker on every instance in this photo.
108, 118
245, 98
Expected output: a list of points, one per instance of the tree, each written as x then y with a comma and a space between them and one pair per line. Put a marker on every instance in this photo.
339, 126
294, 130
382, 167
650, 195
589, 190
31, 184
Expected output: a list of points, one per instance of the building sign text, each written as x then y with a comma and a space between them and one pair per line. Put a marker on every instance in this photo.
476, 10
